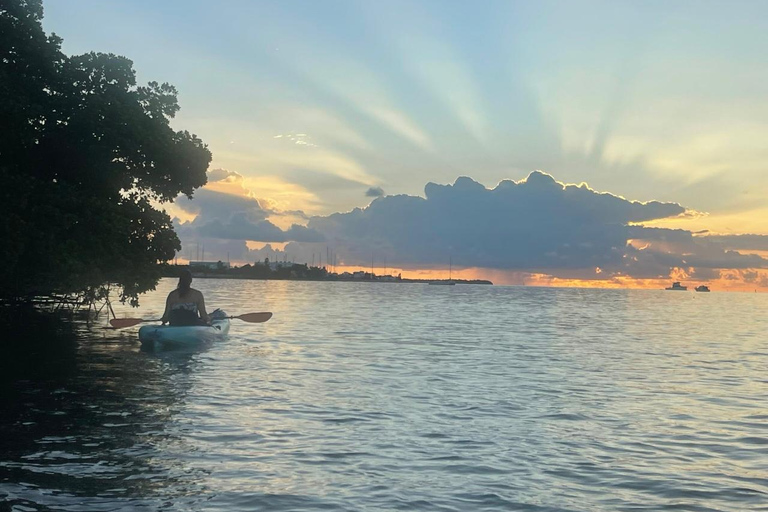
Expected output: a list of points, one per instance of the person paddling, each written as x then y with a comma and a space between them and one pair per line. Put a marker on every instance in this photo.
185, 305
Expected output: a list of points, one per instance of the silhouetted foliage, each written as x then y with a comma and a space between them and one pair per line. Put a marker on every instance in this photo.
86, 158
43, 344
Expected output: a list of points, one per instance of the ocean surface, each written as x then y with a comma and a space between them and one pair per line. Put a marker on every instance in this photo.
368, 397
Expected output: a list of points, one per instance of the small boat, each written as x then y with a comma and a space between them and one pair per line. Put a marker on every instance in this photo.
677, 286
162, 337
702, 288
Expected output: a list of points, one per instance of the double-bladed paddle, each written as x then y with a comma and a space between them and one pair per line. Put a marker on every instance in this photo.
254, 318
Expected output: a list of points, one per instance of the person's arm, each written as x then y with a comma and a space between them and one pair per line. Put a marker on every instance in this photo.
167, 312
201, 308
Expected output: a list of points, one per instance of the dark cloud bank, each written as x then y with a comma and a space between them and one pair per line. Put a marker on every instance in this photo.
534, 225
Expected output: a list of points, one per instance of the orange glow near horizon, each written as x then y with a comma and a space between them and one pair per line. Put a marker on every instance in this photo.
729, 280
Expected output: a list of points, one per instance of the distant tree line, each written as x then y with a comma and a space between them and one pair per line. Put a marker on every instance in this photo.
258, 270
87, 158
296, 271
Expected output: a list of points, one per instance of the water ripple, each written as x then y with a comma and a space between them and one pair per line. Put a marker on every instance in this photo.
362, 397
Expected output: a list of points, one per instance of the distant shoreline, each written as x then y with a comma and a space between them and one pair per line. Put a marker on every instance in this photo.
203, 275
303, 273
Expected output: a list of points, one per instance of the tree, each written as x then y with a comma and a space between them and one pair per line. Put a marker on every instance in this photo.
87, 159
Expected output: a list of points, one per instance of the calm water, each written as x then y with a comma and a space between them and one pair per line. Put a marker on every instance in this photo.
407, 397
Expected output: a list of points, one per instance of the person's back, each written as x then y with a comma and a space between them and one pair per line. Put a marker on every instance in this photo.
185, 305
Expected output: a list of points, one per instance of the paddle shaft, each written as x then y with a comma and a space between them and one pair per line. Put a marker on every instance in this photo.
120, 323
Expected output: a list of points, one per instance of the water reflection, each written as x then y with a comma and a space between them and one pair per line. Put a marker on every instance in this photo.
369, 397
100, 430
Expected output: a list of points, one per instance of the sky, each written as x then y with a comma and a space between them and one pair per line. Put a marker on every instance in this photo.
548, 143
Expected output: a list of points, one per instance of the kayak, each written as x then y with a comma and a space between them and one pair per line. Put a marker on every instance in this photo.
167, 336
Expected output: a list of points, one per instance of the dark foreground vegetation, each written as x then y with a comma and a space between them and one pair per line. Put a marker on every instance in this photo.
37, 345
86, 158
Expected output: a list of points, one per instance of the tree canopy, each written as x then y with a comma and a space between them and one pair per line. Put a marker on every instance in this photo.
87, 159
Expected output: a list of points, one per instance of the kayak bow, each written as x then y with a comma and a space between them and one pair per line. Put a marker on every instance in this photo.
162, 336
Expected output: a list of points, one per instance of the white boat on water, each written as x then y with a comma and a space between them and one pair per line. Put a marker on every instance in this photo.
677, 286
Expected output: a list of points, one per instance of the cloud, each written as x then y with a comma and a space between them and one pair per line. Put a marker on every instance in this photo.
236, 217
240, 227
300, 139
301, 233
740, 242
705, 274
535, 225
374, 192
209, 204
755, 278
680, 248
223, 174
216, 249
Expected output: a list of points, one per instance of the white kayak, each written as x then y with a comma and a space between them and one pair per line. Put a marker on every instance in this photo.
167, 336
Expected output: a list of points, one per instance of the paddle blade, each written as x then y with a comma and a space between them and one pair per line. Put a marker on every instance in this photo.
120, 323
254, 317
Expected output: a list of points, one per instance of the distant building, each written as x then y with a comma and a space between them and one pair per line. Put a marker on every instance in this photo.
208, 265
274, 265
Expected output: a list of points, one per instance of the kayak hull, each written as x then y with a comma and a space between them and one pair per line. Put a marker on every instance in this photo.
167, 336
